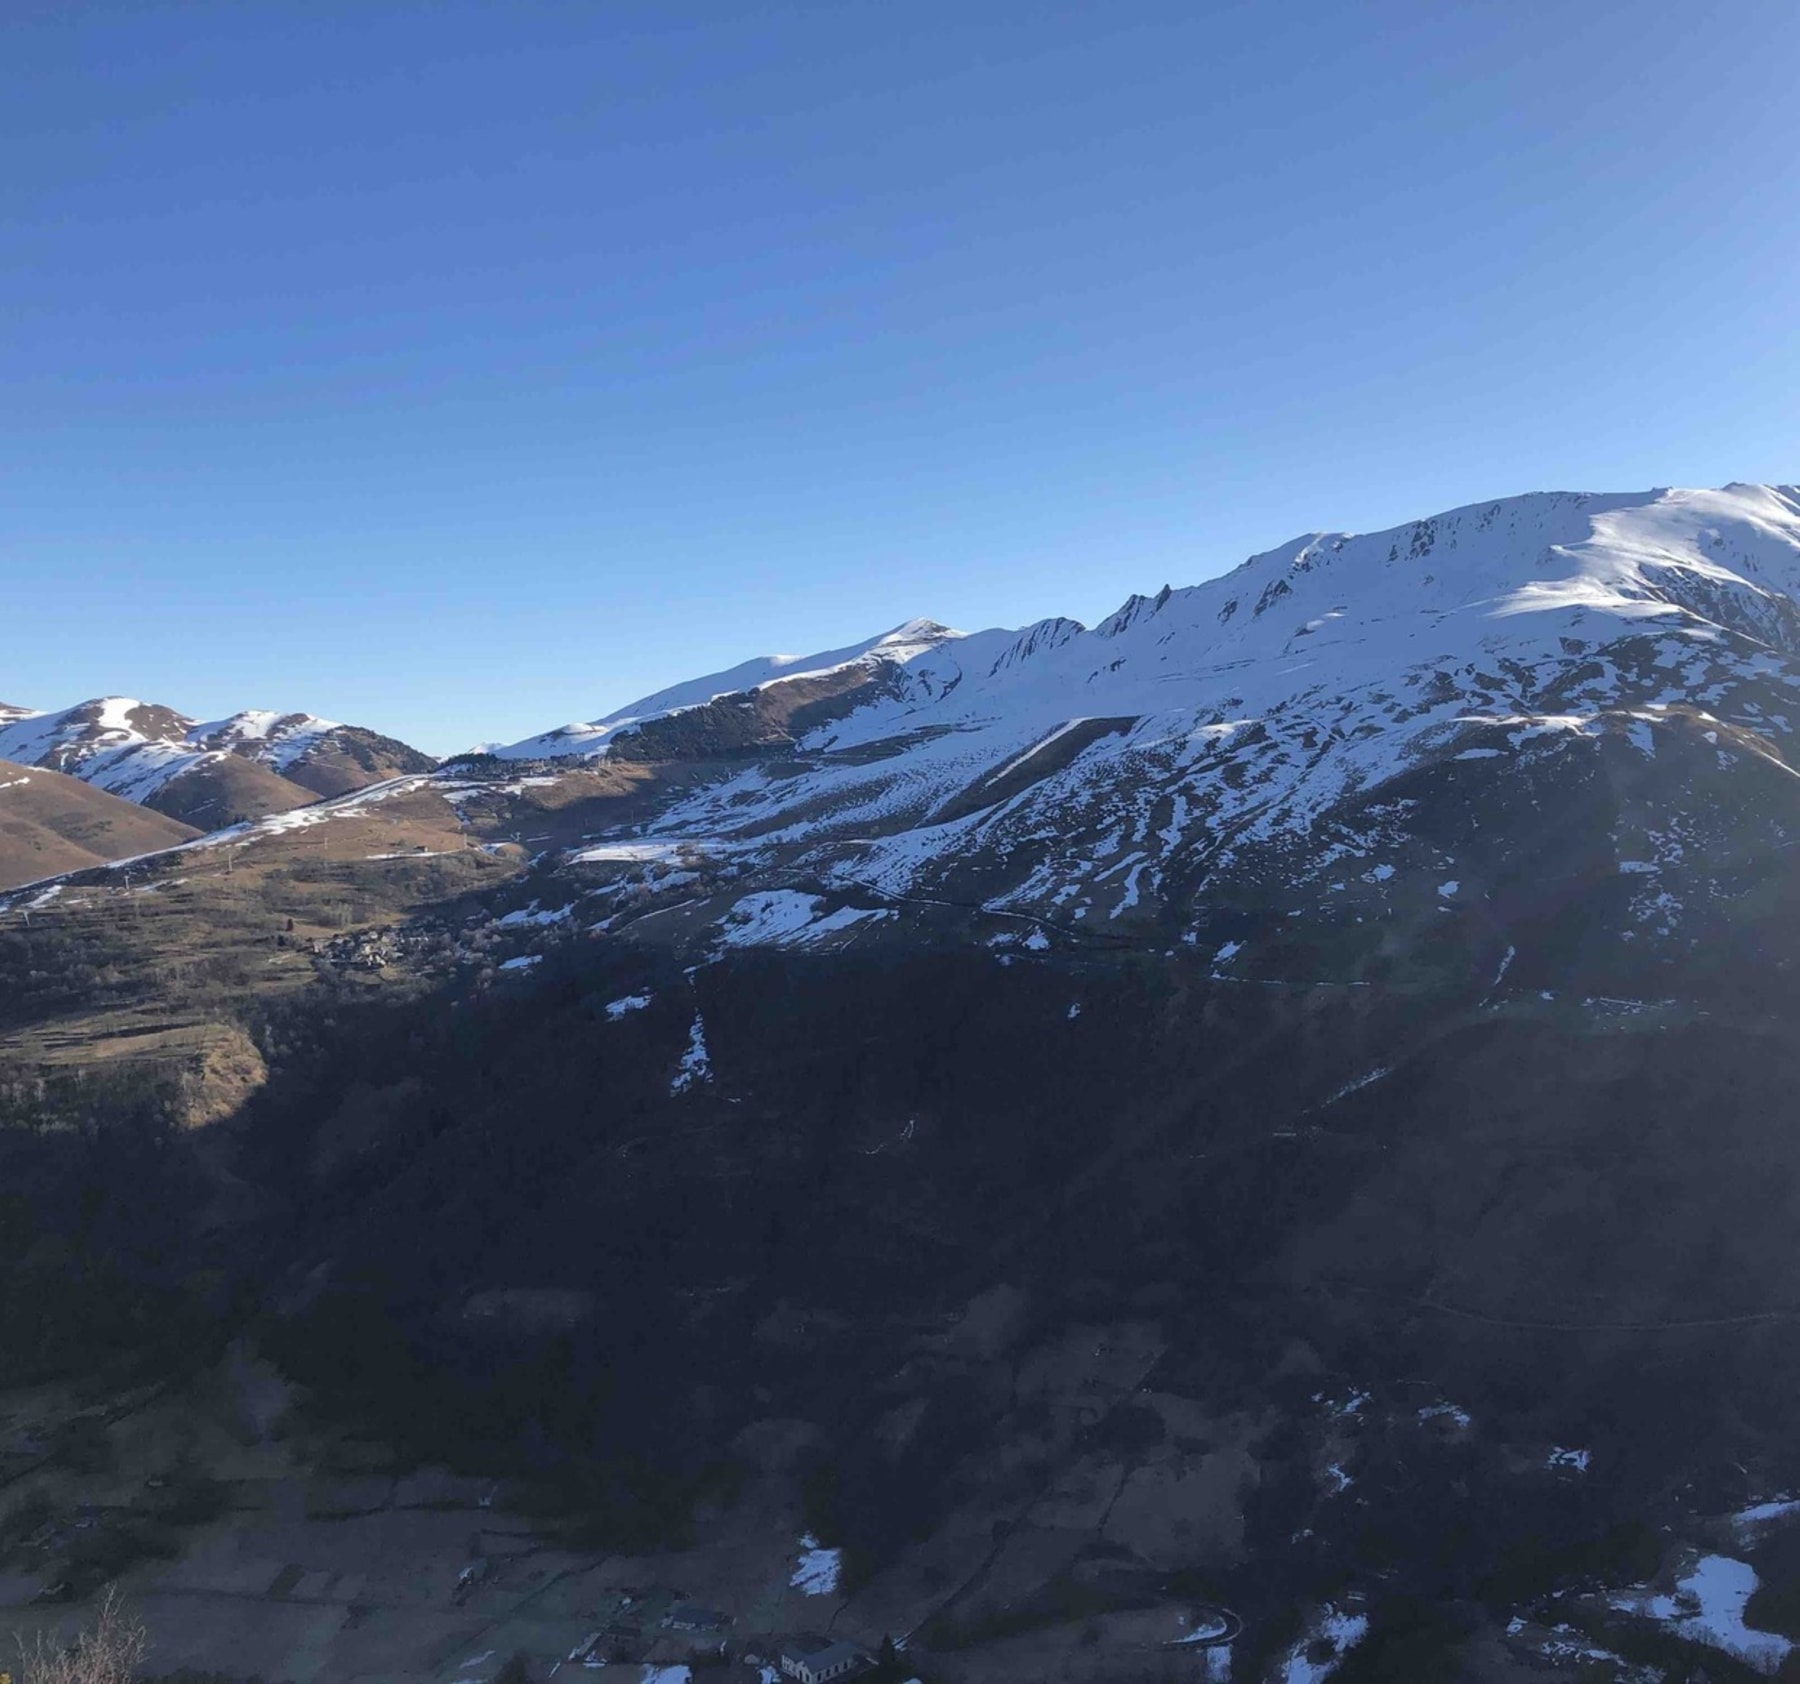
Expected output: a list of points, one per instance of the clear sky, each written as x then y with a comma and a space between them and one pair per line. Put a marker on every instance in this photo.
461, 370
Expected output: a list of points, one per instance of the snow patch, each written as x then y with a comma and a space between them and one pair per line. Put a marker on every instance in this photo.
1708, 1607
818, 1570
1760, 1517
695, 1066
788, 918
1337, 1634
528, 917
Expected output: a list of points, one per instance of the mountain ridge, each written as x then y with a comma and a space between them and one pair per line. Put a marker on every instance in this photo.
1563, 520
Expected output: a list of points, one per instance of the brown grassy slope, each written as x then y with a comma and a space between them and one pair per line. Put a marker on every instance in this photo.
571, 801
226, 792
51, 823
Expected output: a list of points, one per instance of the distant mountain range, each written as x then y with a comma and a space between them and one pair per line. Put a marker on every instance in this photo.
205, 774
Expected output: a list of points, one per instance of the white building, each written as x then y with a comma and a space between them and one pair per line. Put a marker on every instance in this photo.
814, 1664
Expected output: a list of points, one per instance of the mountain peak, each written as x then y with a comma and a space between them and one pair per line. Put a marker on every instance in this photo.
922, 632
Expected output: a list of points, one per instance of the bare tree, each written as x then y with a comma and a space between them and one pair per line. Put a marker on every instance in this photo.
106, 1654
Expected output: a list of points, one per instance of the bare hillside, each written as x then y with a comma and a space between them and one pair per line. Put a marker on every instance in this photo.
50, 823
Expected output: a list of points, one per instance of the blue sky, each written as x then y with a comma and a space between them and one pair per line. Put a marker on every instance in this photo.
464, 369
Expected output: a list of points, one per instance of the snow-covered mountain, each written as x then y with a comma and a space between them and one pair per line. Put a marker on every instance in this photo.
252, 763
1260, 734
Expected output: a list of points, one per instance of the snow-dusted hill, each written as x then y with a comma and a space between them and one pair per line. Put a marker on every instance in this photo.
1260, 734
144, 752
